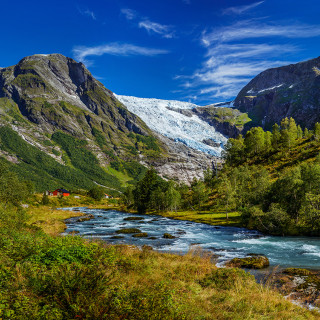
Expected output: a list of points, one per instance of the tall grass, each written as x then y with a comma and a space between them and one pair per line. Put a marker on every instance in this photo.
45, 277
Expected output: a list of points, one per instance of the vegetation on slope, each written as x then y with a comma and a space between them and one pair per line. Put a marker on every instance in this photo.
46, 277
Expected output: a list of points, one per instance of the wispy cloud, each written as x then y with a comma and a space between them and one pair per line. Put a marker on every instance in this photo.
129, 13
241, 9
151, 27
154, 27
250, 29
116, 49
88, 13
237, 53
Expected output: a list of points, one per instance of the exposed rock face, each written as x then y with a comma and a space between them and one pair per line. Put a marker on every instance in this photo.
289, 91
183, 163
43, 86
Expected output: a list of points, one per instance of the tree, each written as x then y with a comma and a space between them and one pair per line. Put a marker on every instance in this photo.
299, 132
234, 150
310, 213
288, 132
316, 133
12, 189
276, 136
144, 189
199, 193
173, 197
228, 194
45, 199
127, 196
97, 193
255, 141
268, 141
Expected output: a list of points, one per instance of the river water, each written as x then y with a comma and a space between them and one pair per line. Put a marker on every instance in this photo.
226, 242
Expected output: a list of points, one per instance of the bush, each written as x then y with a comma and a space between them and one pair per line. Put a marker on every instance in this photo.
97, 193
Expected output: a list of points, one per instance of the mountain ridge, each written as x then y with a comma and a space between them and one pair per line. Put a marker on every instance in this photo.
287, 91
54, 103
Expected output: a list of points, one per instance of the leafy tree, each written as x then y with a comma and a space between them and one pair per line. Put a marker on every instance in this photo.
267, 141
316, 133
310, 213
254, 141
144, 189
288, 192
127, 196
199, 193
299, 132
276, 136
12, 190
97, 193
227, 193
173, 197
234, 150
45, 199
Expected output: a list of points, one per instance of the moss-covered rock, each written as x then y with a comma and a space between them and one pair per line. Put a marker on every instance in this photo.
140, 235
168, 236
250, 262
129, 230
297, 272
133, 219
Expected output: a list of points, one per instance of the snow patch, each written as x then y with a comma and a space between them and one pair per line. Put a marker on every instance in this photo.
263, 90
189, 130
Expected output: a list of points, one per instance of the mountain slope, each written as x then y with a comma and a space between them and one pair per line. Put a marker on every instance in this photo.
75, 132
289, 91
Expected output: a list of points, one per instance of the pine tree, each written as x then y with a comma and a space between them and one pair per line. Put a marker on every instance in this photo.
299, 132
276, 136
316, 133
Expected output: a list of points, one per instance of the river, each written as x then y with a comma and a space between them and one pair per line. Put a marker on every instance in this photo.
226, 242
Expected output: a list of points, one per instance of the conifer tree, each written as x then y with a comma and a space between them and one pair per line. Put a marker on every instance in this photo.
276, 136
316, 133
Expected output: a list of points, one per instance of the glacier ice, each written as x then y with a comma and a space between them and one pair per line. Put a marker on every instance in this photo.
182, 128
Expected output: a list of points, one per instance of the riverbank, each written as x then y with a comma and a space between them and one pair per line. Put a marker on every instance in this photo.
70, 277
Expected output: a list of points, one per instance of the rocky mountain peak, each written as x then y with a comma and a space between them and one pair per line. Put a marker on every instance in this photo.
288, 91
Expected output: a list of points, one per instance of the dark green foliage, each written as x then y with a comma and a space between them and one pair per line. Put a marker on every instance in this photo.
133, 169
37, 166
45, 199
96, 193
84, 160
144, 189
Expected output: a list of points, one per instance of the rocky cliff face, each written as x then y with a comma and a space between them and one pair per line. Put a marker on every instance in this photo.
46, 94
289, 91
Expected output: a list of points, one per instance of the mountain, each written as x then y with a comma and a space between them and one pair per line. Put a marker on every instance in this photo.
289, 91
59, 126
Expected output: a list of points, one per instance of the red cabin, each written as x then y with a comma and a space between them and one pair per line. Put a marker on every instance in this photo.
61, 192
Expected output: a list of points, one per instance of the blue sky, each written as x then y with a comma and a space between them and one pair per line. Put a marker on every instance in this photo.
202, 51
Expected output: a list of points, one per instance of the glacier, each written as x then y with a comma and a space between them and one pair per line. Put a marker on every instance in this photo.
161, 117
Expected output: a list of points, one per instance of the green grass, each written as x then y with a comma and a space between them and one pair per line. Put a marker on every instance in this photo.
45, 277
212, 218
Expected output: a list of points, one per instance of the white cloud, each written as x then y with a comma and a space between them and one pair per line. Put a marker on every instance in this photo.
87, 12
129, 13
237, 53
154, 27
116, 49
241, 9
250, 29
150, 26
